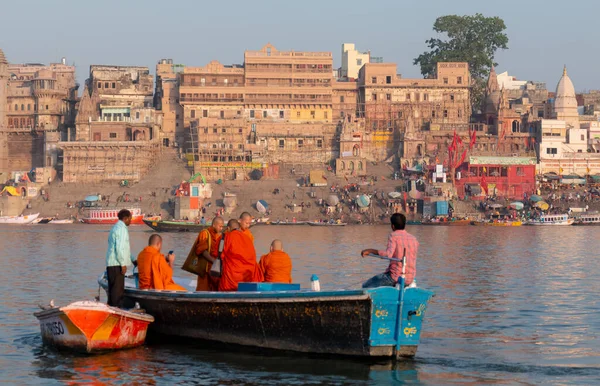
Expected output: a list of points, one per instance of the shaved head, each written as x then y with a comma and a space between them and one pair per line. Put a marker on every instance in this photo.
245, 215
154, 240
233, 224
218, 220
245, 221
276, 245
217, 224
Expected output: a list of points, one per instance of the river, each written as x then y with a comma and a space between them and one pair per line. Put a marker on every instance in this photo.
512, 306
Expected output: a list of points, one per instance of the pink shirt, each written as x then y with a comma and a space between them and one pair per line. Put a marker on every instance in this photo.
398, 241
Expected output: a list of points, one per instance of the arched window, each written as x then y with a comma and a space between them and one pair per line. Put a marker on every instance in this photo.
342, 165
28, 107
10, 122
22, 107
515, 126
16, 107
351, 166
356, 151
360, 165
419, 150
490, 121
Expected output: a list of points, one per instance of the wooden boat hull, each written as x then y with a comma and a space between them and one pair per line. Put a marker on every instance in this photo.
175, 226
323, 224
448, 223
27, 219
290, 223
498, 224
61, 221
354, 323
92, 327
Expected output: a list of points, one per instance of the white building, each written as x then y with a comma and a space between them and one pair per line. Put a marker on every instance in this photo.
352, 61
509, 82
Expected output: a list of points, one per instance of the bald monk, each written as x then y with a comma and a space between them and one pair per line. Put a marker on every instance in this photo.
239, 259
207, 250
155, 272
276, 265
245, 222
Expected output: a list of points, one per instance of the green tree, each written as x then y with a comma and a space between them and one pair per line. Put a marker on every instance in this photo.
473, 39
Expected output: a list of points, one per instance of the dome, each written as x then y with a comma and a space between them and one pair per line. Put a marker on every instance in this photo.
565, 93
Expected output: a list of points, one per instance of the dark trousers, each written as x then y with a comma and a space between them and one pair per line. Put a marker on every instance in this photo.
116, 286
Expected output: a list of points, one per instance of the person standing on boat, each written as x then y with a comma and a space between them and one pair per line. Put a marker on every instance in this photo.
239, 257
400, 243
118, 257
207, 250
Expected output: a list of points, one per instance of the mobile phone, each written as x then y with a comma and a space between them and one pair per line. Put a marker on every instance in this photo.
170, 252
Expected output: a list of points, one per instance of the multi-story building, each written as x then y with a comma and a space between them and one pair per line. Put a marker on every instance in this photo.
166, 102
352, 61
117, 130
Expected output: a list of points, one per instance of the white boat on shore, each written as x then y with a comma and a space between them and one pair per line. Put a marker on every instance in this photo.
66, 221
551, 219
22, 219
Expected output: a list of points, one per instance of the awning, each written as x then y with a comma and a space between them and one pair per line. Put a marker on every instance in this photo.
317, 178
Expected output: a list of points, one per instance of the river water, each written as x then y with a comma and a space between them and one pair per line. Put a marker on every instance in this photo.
512, 306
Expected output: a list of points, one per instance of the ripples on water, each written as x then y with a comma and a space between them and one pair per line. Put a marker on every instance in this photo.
512, 305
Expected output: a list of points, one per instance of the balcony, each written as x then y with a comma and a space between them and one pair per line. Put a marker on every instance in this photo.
210, 100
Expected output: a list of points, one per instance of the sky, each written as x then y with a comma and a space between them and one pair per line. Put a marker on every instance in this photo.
542, 38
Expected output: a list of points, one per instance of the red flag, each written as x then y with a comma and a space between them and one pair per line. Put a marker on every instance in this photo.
503, 134
462, 159
526, 142
459, 141
473, 139
484, 184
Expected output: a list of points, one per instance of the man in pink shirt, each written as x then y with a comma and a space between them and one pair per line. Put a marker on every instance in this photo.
400, 243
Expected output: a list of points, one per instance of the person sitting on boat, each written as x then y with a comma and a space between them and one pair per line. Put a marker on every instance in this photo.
156, 271
118, 257
276, 265
207, 247
400, 243
238, 257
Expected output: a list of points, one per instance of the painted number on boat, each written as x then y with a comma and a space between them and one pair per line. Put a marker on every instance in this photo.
55, 328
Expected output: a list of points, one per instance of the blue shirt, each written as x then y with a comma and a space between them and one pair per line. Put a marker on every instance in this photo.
119, 250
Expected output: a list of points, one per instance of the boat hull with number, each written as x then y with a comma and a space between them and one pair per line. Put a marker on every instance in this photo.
92, 327
378, 322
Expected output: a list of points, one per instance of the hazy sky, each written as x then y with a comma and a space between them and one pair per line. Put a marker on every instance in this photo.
133, 32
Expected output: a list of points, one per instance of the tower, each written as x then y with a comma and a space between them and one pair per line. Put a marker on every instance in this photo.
492, 100
3, 88
565, 102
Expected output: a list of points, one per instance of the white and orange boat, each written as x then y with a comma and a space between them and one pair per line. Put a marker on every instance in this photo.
92, 327
100, 215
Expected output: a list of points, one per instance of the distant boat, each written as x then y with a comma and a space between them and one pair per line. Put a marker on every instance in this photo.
278, 222
587, 219
326, 224
551, 219
447, 223
92, 327
102, 215
66, 221
22, 219
175, 226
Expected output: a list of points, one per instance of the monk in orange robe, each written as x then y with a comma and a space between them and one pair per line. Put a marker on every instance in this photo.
245, 222
238, 259
154, 270
207, 250
276, 265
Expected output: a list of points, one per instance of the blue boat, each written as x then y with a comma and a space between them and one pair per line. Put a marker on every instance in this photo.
379, 322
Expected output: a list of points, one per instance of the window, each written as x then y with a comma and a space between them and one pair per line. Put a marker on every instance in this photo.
281, 114
222, 114
251, 113
374, 96
137, 115
214, 130
193, 114
240, 130
388, 97
445, 113
297, 114
223, 130
204, 113
312, 114
445, 80
460, 113
114, 85
214, 81
206, 130
47, 107
425, 97
399, 114
240, 146
112, 135
459, 80
452, 97
432, 113
319, 143
16, 107
264, 114
374, 79
325, 115
582, 135
281, 143
407, 96
342, 99
359, 62
23, 108
551, 150
105, 84
520, 172
29, 109
300, 143
388, 79
99, 84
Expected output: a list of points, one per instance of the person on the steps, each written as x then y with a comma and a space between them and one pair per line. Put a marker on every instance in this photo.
156, 271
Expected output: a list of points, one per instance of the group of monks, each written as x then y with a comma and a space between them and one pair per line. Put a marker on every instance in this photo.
238, 259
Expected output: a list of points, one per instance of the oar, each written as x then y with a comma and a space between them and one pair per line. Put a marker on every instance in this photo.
385, 258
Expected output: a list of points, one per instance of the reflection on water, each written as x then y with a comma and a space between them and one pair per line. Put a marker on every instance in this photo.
512, 305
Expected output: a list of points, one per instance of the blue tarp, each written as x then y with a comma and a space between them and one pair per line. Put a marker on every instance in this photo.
91, 198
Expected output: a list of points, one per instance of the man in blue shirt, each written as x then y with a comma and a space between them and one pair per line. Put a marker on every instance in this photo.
118, 257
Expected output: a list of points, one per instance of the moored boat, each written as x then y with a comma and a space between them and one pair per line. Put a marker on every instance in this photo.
587, 219
102, 215
498, 223
175, 226
551, 219
92, 327
65, 221
447, 223
326, 224
378, 322
21, 219
289, 222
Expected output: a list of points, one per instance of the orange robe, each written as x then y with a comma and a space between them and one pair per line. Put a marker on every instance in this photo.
155, 272
276, 267
207, 282
239, 261
249, 234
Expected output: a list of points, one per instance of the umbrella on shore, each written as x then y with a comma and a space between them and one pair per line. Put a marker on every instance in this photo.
333, 200
91, 198
517, 205
536, 198
262, 206
496, 206
542, 205
363, 201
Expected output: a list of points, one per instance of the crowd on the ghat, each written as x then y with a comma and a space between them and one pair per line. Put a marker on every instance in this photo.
223, 256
